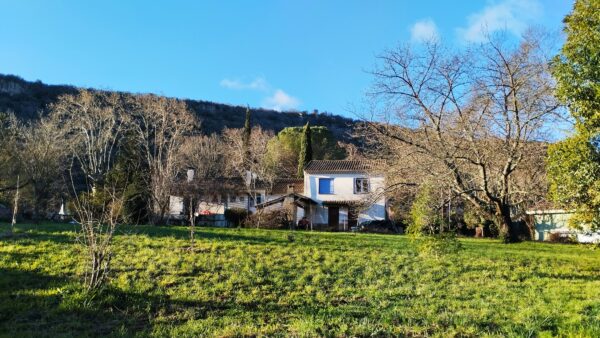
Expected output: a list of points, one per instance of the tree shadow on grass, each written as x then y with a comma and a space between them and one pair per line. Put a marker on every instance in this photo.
31, 306
36, 304
204, 234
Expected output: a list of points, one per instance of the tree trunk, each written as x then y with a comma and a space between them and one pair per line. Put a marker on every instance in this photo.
16, 208
508, 231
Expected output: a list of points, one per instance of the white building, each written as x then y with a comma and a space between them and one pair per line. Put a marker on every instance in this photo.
338, 195
553, 220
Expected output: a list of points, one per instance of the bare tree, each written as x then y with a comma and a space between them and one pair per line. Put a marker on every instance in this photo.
39, 152
92, 125
161, 126
99, 212
469, 119
9, 164
205, 156
250, 161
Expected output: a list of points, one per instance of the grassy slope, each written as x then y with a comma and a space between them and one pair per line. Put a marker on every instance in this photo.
258, 282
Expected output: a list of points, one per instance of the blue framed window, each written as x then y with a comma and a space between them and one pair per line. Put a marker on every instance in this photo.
326, 186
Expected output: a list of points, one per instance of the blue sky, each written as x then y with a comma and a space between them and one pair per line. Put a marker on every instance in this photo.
284, 55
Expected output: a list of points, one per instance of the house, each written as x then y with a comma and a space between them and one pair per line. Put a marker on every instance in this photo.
549, 220
334, 194
337, 195
212, 197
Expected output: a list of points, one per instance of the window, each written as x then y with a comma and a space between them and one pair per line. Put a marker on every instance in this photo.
258, 199
326, 186
361, 185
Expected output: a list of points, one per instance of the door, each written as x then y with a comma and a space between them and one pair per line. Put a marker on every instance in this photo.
333, 217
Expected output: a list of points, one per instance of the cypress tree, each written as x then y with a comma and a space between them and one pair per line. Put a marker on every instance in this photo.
305, 155
247, 133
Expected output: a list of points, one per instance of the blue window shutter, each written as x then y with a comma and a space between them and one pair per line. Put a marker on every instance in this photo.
325, 186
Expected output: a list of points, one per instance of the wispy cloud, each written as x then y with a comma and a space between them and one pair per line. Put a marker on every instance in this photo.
424, 30
510, 15
258, 83
276, 99
281, 100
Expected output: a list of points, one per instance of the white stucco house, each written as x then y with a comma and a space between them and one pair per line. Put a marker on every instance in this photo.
337, 194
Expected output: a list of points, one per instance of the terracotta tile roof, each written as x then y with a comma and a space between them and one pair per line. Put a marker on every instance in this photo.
282, 186
342, 166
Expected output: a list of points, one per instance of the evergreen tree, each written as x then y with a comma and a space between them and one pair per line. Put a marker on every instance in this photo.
305, 150
573, 164
247, 133
247, 129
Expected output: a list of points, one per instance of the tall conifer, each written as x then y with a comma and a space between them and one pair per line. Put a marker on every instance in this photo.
305, 155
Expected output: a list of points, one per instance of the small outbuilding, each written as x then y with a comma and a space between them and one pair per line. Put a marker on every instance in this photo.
549, 220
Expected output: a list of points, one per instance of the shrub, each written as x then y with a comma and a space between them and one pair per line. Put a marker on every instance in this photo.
424, 217
438, 245
277, 219
236, 216
381, 227
561, 237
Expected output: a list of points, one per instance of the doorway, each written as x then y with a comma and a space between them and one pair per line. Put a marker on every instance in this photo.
333, 217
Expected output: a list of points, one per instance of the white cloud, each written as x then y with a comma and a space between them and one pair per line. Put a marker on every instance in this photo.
258, 83
424, 30
281, 100
510, 15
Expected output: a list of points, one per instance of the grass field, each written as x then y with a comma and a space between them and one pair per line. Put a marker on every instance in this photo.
243, 282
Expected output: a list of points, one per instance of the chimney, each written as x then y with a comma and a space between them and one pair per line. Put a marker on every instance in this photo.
190, 175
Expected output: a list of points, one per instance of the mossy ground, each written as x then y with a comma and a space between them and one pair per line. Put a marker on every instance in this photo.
243, 282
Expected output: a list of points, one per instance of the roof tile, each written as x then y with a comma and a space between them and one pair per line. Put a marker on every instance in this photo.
341, 166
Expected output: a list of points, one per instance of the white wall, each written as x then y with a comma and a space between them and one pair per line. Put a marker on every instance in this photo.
175, 205
556, 221
343, 190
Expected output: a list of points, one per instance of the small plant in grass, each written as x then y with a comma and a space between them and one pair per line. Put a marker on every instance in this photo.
427, 226
439, 244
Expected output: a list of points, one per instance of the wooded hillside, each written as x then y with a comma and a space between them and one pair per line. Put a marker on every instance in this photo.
26, 99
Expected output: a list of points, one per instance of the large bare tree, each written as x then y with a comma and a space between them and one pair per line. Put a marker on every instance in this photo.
472, 119
91, 125
161, 126
248, 159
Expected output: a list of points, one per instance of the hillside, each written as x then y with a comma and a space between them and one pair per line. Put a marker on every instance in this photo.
26, 99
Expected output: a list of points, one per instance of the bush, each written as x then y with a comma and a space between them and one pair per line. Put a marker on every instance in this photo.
561, 237
438, 245
236, 216
277, 219
424, 215
381, 227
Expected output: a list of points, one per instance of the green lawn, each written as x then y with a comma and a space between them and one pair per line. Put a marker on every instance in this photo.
258, 282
